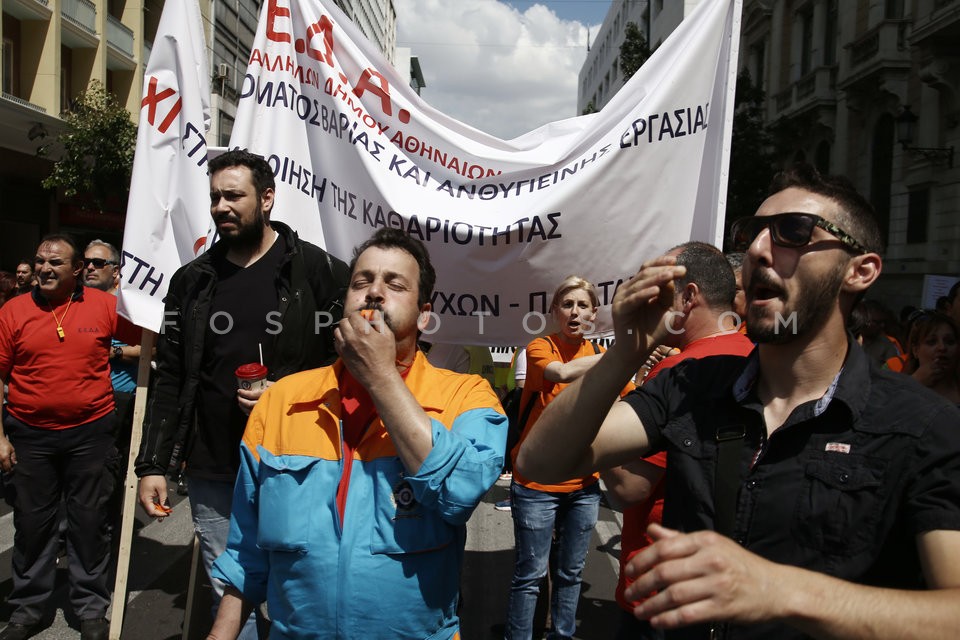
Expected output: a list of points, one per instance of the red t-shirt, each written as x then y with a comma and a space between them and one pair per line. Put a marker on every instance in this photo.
53, 383
636, 519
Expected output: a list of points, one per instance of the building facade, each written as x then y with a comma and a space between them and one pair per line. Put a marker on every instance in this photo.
870, 89
52, 51
600, 76
377, 20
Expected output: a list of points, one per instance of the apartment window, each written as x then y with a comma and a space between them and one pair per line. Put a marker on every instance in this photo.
66, 78
226, 128
918, 216
830, 35
758, 63
806, 41
8, 67
893, 9
822, 158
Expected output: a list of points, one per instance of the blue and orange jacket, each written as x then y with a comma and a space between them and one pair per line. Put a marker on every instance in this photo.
392, 570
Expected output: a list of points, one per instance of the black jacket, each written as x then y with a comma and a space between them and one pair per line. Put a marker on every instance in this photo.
309, 280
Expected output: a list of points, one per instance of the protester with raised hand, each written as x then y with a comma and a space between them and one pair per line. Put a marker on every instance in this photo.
835, 486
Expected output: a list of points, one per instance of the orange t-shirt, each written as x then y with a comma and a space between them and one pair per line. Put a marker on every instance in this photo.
540, 353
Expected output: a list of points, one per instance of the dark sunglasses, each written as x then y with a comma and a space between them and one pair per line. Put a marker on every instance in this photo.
792, 230
99, 263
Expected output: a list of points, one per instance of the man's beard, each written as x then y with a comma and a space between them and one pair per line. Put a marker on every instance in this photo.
251, 235
816, 299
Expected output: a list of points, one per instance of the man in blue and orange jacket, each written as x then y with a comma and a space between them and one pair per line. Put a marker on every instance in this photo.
357, 480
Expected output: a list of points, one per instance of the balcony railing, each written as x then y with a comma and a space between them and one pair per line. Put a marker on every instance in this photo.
22, 102
119, 36
82, 13
888, 40
784, 99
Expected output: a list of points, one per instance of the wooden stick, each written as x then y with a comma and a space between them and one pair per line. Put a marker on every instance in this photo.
147, 340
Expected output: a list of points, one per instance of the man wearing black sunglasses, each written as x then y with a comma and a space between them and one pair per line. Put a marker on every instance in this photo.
101, 266
809, 493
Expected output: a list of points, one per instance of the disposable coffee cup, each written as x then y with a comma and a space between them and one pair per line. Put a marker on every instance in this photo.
251, 377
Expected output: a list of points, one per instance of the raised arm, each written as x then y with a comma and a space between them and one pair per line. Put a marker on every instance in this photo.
585, 429
566, 372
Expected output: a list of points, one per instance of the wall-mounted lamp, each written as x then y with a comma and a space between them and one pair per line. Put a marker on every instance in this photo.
905, 125
37, 131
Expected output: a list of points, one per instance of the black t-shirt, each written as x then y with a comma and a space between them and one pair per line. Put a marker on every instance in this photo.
240, 319
842, 488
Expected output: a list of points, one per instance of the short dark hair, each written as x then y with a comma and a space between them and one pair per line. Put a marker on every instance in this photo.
390, 238
260, 168
735, 259
708, 268
65, 238
856, 215
952, 294
26, 261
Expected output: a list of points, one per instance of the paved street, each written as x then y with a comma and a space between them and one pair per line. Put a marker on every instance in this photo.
160, 566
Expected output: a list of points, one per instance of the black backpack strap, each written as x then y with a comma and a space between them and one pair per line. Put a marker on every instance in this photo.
730, 440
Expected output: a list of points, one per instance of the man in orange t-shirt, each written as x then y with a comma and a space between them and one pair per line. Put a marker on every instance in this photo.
58, 436
704, 326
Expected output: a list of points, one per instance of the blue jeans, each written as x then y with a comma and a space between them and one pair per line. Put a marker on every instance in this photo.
535, 515
210, 502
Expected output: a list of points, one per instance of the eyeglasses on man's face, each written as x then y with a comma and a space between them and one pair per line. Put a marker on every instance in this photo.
792, 230
98, 263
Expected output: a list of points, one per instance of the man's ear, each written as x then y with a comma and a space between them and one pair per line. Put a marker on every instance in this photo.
862, 271
266, 201
689, 295
423, 320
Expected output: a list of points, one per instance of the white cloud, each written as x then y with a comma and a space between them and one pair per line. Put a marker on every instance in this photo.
500, 70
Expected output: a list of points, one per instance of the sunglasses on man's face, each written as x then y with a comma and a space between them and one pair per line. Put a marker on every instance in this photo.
99, 263
792, 230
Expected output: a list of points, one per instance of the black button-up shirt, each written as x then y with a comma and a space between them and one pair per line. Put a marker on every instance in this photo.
843, 487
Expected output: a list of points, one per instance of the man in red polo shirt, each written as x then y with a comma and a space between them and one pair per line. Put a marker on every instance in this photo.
58, 434
703, 324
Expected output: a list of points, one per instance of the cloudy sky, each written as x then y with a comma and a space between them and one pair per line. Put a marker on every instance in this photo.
502, 66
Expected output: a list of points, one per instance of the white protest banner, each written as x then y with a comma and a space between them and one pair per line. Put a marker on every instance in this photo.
354, 148
168, 213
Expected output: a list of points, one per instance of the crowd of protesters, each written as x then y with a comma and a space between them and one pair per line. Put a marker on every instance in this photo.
786, 450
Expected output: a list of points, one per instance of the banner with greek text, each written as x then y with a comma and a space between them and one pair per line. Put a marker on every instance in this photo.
354, 148
168, 214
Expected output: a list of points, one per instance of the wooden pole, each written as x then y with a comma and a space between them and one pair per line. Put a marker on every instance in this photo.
191, 589
147, 341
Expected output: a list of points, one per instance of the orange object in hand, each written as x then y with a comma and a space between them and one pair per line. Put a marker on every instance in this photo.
367, 314
162, 507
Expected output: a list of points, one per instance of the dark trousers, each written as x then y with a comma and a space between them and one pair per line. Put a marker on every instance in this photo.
75, 465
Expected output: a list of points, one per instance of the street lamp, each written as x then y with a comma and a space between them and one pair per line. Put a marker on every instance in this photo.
905, 125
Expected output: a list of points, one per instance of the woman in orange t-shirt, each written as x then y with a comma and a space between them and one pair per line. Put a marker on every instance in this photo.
570, 507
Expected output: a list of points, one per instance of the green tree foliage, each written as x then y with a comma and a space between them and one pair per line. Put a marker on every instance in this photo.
590, 108
98, 144
752, 161
634, 51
